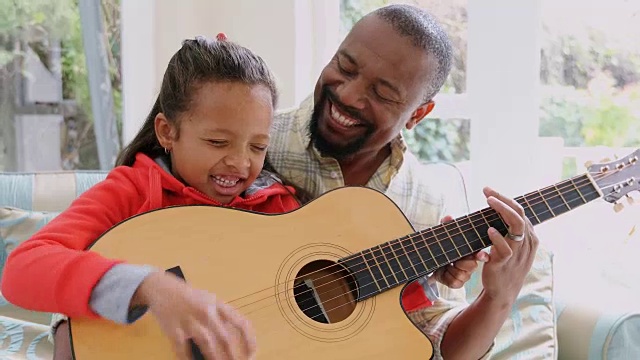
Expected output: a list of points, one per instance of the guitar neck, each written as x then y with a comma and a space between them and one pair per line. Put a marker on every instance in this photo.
398, 261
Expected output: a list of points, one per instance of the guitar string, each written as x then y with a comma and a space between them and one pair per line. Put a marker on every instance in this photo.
481, 214
342, 294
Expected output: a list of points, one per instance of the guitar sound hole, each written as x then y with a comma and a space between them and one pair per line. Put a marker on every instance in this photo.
325, 291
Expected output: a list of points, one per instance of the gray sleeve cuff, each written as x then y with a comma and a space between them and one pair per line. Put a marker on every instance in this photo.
111, 297
430, 287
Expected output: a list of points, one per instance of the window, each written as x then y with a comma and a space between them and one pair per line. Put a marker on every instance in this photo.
46, 118
590, 77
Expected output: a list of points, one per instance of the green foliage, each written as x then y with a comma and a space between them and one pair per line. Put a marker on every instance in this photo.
440, 140
563, 112
29, 21
600, 116
611, 124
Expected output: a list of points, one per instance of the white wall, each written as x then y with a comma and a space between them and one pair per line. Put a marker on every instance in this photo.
503, 71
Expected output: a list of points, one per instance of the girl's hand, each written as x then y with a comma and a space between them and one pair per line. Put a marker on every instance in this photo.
186, 313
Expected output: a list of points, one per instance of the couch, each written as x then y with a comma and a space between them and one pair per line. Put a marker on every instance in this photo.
540, 326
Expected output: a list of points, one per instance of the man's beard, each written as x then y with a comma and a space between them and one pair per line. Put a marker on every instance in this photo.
327, 148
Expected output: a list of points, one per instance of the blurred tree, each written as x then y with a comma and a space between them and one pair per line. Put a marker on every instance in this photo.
36, 22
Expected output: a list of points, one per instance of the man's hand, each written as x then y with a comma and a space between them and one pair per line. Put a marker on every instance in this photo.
455, 275
510, 260
503, 275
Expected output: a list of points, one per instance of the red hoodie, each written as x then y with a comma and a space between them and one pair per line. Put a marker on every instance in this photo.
52, 272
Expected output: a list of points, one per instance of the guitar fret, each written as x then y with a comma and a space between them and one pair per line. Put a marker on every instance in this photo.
578, 190
421, 263
392, 261
573, 196
528, 210
426, 245
555, 200
406, 254
546, 203
562, 197
368, 284
400, 269
449, 235
378, 276
439, 242
384, 265
464, 236
480, 237
587, 189
484, 230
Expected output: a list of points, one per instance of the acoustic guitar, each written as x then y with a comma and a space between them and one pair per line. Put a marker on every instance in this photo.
321, 282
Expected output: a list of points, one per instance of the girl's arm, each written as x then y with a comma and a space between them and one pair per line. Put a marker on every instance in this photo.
51, 271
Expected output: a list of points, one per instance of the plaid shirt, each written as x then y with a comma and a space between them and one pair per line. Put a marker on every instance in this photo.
401, 177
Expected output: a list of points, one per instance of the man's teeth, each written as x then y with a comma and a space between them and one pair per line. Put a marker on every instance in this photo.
228, 182
341, 119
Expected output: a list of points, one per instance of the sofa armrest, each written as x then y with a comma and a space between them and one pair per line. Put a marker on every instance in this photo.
590, 332
24, 340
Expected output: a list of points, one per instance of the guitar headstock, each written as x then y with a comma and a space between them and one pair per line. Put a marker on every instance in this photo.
616, 179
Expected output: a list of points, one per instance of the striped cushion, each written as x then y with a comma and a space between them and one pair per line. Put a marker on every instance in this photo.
47, 191
585, 332
27, 202
24, 340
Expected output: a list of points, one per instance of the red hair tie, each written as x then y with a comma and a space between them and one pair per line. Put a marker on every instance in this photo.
221, 37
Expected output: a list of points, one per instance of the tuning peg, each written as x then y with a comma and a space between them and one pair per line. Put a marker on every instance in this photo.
605, 160
618, 207
588, 164
630, 200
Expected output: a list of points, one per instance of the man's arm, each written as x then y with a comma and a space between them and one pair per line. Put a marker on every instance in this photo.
502, 276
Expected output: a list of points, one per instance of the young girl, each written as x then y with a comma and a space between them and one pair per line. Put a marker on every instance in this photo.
204, 142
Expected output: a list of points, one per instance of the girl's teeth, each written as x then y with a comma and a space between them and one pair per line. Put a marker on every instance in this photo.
224, 182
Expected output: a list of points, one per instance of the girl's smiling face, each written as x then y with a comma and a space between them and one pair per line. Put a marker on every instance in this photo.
220, 143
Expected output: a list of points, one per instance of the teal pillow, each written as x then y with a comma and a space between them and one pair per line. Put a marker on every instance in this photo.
16, 226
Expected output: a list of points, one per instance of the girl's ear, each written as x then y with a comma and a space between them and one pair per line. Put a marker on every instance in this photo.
165, 131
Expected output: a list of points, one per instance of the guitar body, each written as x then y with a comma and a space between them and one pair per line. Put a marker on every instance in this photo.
251, 261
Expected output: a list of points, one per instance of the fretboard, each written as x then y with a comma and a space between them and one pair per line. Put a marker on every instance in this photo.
401, 260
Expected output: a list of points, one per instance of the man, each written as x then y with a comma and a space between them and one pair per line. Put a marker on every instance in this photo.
382, 79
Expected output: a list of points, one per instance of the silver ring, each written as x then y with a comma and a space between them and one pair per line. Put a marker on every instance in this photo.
515, 237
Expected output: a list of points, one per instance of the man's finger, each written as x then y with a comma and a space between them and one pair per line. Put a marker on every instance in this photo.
481, 256
451, 281
514, 221
467, 263
446, 219
501, 249
461, 275
508, 201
